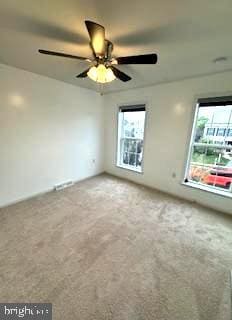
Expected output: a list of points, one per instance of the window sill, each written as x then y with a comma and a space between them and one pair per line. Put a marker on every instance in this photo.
130, 168
202, 187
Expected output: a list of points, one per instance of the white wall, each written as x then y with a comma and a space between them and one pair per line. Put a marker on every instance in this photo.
50, 132
169, 123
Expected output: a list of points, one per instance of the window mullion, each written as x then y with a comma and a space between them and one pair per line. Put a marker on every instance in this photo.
210, 145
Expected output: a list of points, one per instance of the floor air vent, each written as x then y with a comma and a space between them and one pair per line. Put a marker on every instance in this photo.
63, 185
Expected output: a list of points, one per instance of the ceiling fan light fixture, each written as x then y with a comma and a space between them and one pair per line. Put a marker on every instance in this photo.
92, 73
103, 68
101, 74
109, 75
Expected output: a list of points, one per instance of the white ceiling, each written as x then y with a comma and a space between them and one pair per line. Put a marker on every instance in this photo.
187, 35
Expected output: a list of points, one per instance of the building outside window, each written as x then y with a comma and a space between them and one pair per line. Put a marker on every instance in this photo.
229, 133
210, 131
221, 132
131, 123
210, 155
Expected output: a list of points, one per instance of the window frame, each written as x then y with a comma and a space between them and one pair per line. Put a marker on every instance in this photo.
119, 130
191, 142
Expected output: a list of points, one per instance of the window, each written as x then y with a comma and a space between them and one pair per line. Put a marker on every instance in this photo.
221, 132
210, 156
131, 121
210, 131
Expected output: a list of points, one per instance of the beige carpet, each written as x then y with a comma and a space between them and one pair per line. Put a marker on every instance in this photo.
109, 249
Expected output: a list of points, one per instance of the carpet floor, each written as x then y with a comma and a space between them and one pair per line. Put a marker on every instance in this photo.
108, 249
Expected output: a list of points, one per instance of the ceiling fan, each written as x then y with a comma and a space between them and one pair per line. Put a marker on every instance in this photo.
102, 68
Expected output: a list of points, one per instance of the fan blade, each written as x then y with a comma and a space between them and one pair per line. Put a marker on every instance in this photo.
59, 54
142, 59
97, 37
120, 75
83, 74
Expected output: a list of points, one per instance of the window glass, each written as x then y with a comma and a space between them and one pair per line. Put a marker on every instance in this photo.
210, 131
130, 138
221, 132
210, 160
